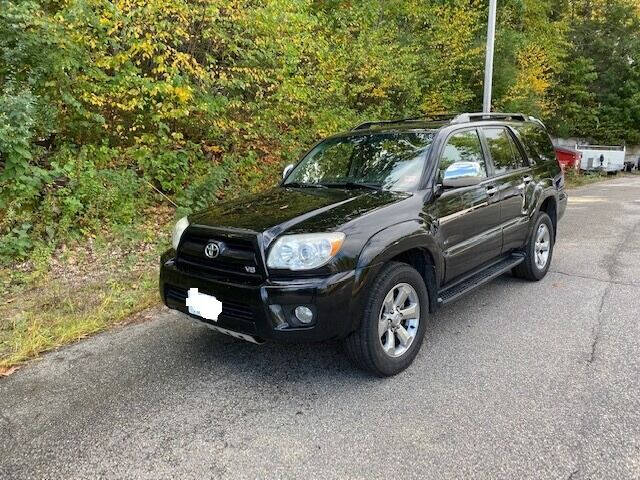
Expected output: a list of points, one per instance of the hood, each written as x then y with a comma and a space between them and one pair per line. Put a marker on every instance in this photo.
298, 209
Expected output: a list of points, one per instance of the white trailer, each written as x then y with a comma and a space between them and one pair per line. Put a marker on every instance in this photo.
608, 158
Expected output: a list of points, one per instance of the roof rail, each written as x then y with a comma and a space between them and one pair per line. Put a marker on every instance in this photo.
434, 117
538, 121
474, 117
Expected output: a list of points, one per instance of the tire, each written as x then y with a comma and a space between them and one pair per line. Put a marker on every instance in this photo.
531, 268
384, 354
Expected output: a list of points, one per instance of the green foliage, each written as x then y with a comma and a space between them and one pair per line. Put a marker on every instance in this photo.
90, 196
103, 103
16, 243
598, 90
17, 124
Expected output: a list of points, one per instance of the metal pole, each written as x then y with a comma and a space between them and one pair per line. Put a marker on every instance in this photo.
488, 64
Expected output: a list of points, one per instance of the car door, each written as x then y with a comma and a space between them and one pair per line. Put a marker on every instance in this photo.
512, 177
467, 208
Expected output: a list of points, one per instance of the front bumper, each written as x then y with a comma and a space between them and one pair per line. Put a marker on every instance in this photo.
250, 309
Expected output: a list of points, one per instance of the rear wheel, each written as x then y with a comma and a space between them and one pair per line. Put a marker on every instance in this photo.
538, 250
393, 323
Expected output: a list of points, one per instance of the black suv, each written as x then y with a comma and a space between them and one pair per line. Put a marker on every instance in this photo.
371, 231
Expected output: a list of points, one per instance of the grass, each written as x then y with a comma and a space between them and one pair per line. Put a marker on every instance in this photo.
59, 297
574, 180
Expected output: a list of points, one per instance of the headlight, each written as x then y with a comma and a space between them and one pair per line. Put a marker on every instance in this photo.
305, 251
178, 230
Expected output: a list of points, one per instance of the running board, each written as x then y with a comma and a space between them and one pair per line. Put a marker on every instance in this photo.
449, 294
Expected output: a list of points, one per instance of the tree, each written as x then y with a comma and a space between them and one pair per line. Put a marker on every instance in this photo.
598, 92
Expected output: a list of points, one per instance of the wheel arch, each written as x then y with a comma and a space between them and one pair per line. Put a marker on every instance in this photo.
408, 242
422, 260
550, 206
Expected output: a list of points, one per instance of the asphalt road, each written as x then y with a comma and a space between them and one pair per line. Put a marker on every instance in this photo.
517, 380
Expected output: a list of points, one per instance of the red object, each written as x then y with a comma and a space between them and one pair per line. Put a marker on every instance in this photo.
568, 158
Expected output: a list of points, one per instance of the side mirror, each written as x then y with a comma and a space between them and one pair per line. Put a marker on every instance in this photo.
463, 174
287, 170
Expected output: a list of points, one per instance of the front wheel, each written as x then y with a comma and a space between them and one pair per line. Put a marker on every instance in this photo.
393, 324
538, 250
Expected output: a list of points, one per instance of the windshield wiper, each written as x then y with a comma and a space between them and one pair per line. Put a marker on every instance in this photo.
304, 185
351, 185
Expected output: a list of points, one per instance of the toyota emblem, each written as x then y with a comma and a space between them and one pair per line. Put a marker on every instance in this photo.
212, 250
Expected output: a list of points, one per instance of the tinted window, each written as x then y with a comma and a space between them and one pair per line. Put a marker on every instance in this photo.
504, 153
463, 148
388, 160
537, 143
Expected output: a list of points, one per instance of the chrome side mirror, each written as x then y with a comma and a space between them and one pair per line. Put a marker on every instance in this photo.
287, 170
463, 174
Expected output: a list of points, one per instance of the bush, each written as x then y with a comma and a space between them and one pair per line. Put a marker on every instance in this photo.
103, 102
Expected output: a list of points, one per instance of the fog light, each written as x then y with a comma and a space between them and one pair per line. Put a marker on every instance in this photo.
304, 314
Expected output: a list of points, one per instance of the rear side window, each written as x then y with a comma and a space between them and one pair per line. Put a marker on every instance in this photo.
463, 147
504, 152
537, 143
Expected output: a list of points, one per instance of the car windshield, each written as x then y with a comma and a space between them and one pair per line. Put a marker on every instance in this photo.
391, 160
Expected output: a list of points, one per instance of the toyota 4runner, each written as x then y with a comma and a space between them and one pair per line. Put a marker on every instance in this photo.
372, 230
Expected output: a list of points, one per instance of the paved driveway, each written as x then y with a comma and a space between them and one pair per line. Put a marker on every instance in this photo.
537, 380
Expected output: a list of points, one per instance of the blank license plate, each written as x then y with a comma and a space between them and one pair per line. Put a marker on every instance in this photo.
203, 305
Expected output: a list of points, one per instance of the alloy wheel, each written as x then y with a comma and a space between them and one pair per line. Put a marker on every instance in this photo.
542, 246
399, 319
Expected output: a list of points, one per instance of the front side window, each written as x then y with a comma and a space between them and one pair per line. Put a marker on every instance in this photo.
390, 160
504, 152
461, 155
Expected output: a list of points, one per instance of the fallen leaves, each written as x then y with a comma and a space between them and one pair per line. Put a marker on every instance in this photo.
5, 372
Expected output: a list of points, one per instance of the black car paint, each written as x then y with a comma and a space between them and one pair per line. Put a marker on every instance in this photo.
458, 230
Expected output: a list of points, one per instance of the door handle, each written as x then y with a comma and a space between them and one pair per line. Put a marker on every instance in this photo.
491, 191
527, 179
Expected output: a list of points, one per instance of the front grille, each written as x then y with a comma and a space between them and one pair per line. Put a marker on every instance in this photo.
176, 298
238, 259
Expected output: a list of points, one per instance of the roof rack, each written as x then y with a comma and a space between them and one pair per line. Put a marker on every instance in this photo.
537, 120
453, 118
434, 117
475, 117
